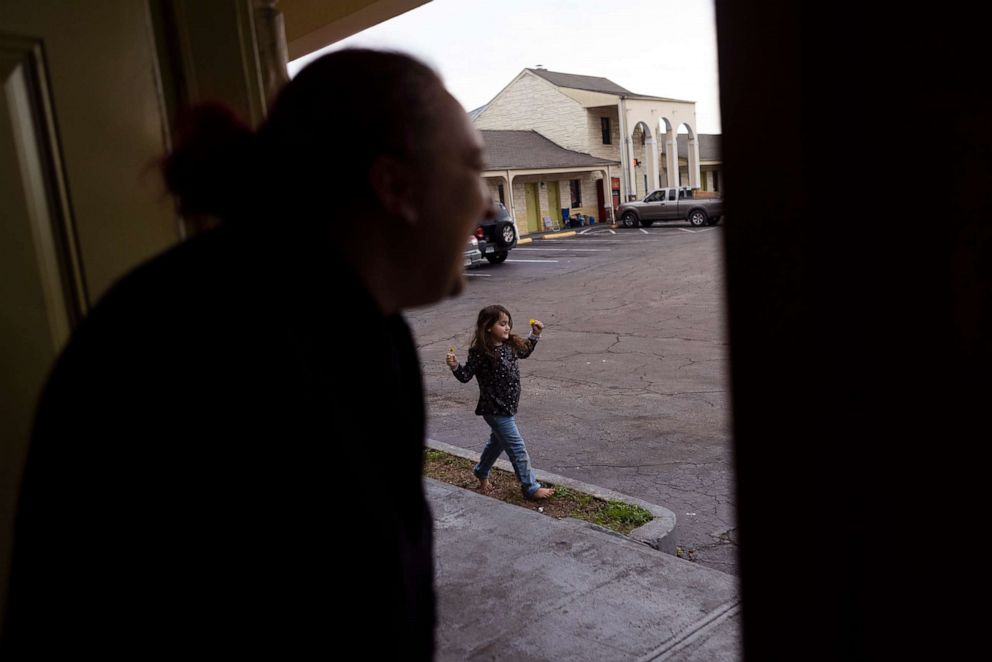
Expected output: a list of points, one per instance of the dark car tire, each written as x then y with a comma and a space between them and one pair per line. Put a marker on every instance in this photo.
629, 219
505, 234
697, 218
497, 257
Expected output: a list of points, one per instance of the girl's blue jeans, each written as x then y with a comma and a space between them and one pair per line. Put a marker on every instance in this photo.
506, 437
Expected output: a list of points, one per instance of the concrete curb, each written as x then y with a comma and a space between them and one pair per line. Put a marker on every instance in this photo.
525, 240
560, 235
659, 533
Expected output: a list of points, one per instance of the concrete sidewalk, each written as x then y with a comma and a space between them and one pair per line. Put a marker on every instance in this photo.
513, 584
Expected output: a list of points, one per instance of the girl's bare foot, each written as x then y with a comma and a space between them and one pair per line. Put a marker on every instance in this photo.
543, 493
484, 486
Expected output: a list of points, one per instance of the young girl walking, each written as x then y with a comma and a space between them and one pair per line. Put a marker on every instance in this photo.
492, 359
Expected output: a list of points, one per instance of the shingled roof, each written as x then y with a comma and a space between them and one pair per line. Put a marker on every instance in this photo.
594, 84
529, 150
577, 82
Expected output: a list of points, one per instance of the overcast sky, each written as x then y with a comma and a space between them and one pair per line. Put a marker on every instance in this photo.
664, 48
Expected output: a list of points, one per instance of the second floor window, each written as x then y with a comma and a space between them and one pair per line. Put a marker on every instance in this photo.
607, 134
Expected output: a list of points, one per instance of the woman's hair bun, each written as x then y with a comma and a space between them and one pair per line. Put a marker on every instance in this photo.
211, 156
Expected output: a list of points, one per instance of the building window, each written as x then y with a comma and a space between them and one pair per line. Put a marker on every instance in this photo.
502, 195
716, 180
576, 193
604, 123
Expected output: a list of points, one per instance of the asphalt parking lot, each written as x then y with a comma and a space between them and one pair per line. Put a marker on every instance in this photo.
629, 386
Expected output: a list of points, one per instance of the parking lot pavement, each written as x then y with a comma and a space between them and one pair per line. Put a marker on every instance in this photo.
544, 254
628, 388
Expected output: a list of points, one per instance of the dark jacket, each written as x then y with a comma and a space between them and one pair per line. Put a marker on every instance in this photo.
211, 469
498, 376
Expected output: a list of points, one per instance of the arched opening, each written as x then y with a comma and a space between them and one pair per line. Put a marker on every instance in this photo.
641, 146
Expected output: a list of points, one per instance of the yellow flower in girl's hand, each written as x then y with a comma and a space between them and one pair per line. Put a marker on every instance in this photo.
451, 350
532, 322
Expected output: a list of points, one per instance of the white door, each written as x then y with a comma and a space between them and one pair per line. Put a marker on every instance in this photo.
82, 124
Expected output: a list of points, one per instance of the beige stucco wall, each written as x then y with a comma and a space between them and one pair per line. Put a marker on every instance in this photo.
532, 103
594, 136
520, 197
708, 183
588, 182
589, 202
492, 183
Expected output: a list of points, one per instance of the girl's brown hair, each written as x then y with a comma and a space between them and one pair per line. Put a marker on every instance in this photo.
482, 339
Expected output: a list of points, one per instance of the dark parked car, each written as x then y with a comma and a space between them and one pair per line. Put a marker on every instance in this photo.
497, 236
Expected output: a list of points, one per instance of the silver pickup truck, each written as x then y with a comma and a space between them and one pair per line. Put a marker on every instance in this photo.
671, 204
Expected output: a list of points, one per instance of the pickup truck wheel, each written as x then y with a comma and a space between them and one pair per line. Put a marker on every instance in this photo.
697, 218
497, 257
629, 219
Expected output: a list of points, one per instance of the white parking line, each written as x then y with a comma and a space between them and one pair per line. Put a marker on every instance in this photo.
508, 260
597, 231
470, 273
579, 250
645, 231
626, 241
687, 230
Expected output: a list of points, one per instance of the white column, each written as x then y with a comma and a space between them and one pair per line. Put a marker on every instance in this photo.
607, 196
693, 162
652, 164
626, 157
509, 199
672, 162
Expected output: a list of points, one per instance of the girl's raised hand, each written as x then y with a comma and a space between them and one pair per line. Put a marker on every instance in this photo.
536, 327
450, 359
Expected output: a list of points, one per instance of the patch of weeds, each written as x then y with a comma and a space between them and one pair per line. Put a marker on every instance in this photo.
567, 501
626, 514
432, 455
685, 553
